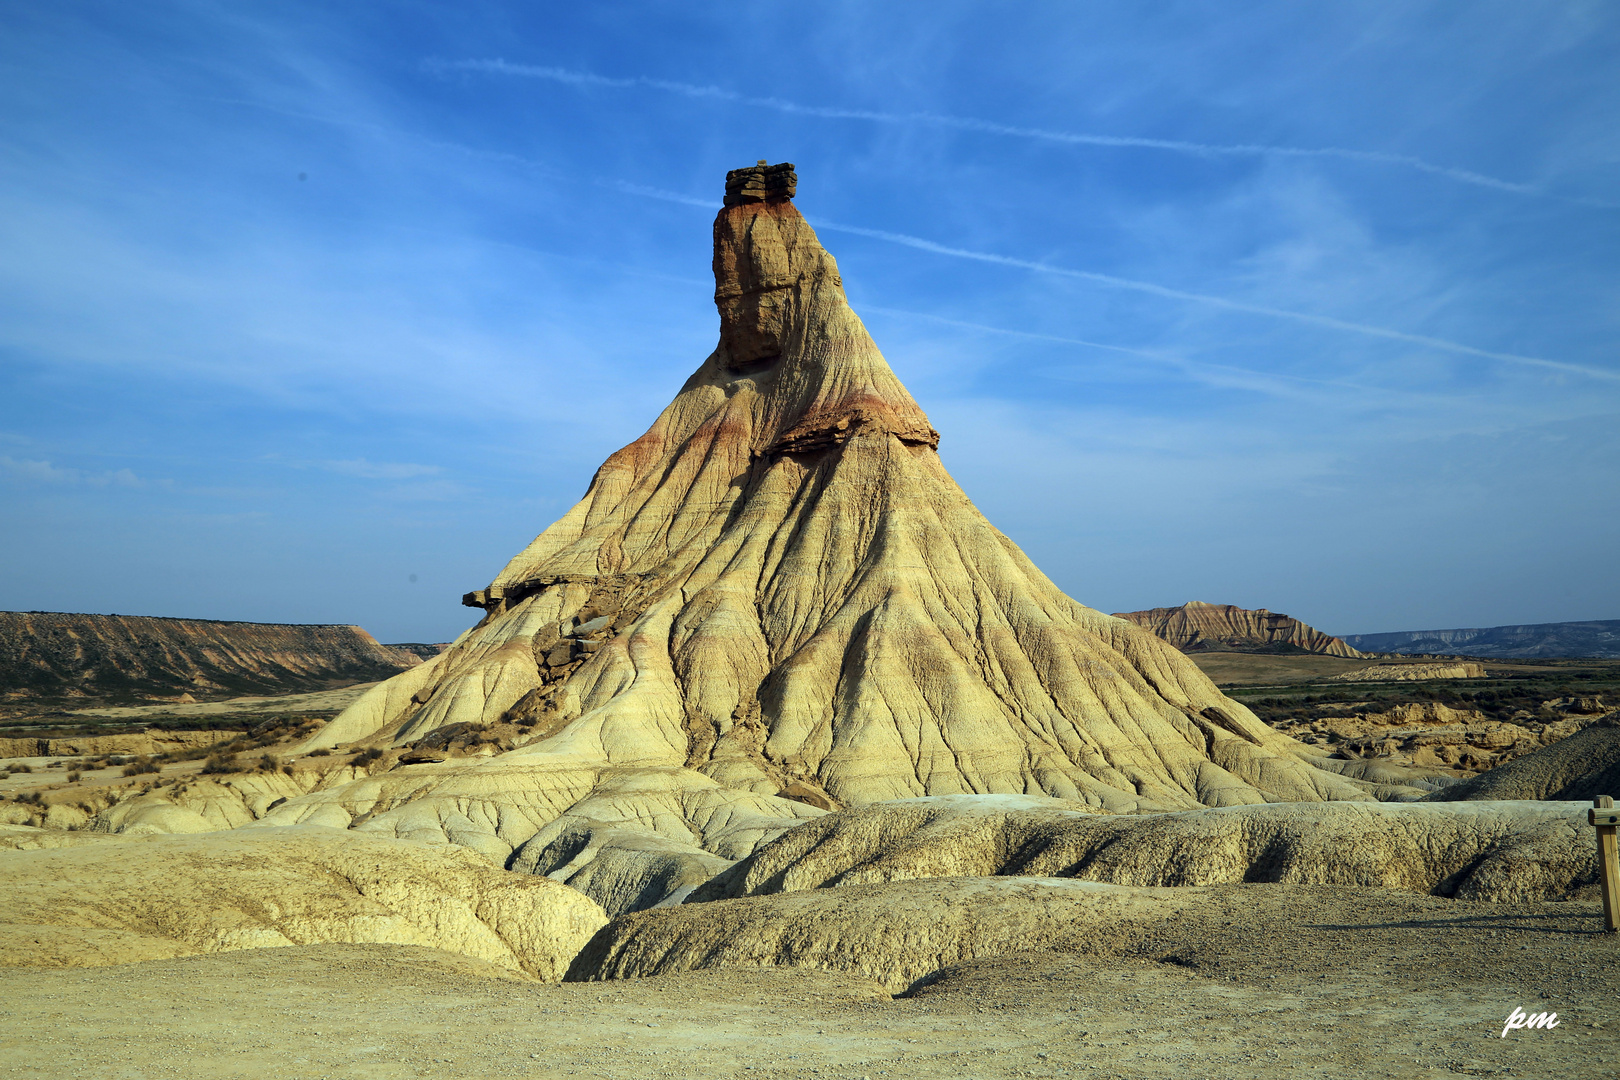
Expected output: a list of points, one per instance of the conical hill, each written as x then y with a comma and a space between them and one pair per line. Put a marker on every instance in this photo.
779, 589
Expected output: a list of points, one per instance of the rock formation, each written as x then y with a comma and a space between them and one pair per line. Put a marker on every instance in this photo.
1581, 767
1411, 672
1495, 852
151, 741
86, 899
1197, 626
894, 934
774, 603
46, 655
1433, 735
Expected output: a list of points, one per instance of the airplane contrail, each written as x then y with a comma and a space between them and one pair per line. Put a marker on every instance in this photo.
1216, 301
964, 123
1153, 289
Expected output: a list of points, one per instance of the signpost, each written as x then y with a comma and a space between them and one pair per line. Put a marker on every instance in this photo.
1606, 818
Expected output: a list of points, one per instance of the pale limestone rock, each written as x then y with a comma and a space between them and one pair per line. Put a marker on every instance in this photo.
894, 934
116, 899
1496, 851
1582, 766
1462, 669
779, 591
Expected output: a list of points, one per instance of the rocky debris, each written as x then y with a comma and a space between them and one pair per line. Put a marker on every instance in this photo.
53, 655
151, 741
1490, 851
1196, 627
1582, 766
118, 899
1412, 672
1432, 735
760, 183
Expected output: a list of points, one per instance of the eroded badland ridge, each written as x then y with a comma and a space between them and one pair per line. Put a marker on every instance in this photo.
770, 727
1197, 626
78, 658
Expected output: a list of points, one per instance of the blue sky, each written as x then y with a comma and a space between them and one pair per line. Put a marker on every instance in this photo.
318, 313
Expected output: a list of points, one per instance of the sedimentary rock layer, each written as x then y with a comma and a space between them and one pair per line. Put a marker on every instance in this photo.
85, 899
1411, 672
894, 934
774, 603
1196, 625
1474, 851
1583, 766
115, 657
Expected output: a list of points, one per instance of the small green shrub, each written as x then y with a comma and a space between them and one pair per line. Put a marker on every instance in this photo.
366, 757
221, 763
73, 777
322, 752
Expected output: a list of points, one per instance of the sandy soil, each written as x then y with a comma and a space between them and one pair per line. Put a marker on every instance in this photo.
1249, 669
245, 707
1275, 982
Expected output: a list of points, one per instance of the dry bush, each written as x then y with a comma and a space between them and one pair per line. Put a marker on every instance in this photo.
221, 762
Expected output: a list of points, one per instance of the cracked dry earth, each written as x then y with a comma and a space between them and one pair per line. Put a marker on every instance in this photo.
1275, 981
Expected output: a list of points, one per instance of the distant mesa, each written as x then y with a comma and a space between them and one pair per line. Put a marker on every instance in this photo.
417, 648
1199, 627
1599, 639
1461, 669
128, 658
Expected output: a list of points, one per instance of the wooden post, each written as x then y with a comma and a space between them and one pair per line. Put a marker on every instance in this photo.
1608, 858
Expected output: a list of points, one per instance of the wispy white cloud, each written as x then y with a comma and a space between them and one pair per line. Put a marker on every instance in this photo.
362, 469
1217, 301
1273, 384
1153, 289
990, 127
44, 472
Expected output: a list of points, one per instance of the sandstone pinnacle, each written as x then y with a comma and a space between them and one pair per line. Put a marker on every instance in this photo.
777, 602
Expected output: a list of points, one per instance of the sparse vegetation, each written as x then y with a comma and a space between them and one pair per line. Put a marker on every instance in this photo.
221, 762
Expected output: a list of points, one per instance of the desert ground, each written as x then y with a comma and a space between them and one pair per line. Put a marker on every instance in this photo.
1263, 981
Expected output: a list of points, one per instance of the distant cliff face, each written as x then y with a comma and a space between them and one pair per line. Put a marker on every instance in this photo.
1196, 626
1601, 639
47, 655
